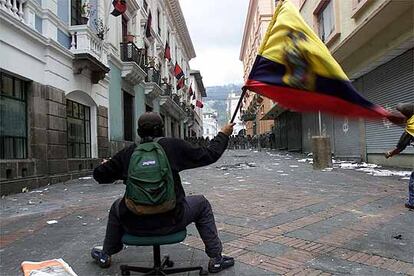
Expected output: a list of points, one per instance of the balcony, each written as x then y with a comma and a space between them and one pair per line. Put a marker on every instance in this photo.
166, 89
131, 53
153, 75
14, 8
89, 51
133, 68
153, 83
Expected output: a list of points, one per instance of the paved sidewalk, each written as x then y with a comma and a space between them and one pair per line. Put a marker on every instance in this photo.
275, 215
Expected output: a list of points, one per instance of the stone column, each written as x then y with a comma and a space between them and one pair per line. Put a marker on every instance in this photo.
182, 129
57, 152
167, 127
139, 105
37, 120
156, 105
322, 156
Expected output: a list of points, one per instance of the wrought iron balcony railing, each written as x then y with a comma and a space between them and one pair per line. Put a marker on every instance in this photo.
130, 52
167, 89
153, 75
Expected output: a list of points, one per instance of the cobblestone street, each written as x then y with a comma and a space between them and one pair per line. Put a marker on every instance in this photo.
275, 214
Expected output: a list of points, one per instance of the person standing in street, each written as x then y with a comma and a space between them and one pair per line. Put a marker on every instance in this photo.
407, 109
129, 216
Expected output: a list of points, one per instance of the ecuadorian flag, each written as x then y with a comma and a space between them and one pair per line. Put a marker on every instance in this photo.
295, 69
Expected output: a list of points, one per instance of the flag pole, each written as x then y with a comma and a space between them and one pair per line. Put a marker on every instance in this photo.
238, 104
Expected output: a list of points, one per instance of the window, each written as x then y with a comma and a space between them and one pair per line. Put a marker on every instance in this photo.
75, 12
159, 21
128, 116
79, 130
326, 21
124, 28
13, 114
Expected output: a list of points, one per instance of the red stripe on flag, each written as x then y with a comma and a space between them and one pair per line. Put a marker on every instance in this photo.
307, 101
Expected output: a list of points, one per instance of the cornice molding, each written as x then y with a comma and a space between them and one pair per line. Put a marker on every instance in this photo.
247, 26
20, 27
173, 7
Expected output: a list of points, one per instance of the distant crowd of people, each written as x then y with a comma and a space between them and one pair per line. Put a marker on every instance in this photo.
240, 141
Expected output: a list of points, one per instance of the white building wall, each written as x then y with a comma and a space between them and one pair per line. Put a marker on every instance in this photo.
232, 101
37, 55
210, 124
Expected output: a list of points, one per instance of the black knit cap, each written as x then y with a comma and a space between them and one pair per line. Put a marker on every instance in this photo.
150, 124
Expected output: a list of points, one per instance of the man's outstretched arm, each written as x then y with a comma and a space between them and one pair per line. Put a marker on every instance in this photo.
188, 156
404, 141
110, 170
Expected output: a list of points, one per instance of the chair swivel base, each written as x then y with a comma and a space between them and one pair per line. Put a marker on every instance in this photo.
160, 269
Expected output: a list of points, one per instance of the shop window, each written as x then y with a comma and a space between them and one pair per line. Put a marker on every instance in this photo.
128, 116
326, 21
13, 114
78, 130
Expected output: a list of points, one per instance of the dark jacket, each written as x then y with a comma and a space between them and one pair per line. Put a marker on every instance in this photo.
182, 156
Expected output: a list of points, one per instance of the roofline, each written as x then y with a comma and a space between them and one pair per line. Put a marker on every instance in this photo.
199, 81
179, 21
247, 27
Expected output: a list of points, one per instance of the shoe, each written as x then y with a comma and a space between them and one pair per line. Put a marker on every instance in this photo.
409, 206
103, 259
217, 264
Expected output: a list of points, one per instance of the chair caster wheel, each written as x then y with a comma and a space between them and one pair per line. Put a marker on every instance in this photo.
203, 272
125, 273
169, 263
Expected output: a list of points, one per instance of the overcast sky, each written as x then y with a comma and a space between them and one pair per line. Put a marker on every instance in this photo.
216, 29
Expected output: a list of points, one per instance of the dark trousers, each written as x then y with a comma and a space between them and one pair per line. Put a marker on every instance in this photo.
197, 209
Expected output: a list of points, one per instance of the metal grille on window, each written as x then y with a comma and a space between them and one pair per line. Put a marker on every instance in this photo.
13, 114
78, 130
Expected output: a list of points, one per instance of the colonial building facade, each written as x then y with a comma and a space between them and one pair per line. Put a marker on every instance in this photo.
74, 80
210, 123
232, 101
255, 108
373, 42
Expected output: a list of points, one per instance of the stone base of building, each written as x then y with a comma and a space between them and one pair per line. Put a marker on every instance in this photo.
47, 159
20, 184
399, 161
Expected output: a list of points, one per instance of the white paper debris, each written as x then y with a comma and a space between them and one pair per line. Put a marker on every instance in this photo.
85, 178
52, 222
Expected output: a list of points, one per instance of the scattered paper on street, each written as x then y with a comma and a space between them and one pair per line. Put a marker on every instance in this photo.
55, 267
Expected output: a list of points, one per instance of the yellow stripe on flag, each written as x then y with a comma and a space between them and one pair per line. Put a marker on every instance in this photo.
410, 126
288, 32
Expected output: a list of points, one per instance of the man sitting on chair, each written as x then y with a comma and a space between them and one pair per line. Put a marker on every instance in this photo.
188, 209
